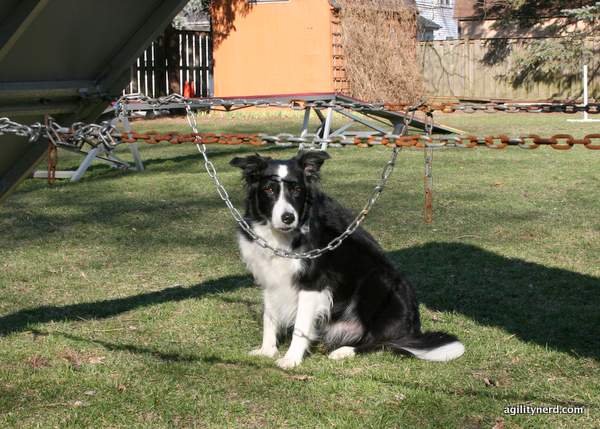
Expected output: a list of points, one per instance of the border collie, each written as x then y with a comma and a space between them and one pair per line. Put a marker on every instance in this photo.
352, 298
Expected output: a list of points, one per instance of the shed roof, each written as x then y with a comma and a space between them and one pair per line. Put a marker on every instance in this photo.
427, 23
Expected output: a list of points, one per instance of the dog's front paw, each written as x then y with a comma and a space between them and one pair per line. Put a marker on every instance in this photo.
288, 362
267, 352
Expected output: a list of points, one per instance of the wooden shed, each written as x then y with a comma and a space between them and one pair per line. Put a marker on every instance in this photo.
267, 47
272, 47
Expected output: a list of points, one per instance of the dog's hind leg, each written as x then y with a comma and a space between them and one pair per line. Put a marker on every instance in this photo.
342, 353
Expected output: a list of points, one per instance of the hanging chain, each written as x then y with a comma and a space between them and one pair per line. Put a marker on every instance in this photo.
315, 253
106, 135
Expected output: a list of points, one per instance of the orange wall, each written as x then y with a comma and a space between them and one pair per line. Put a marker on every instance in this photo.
271, 48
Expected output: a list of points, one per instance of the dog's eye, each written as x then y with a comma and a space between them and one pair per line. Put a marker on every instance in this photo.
297, 189
268, 189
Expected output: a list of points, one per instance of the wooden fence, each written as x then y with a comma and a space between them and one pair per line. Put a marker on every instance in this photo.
172, 61
467, 69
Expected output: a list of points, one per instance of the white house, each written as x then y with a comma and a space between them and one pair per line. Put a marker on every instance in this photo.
442, 13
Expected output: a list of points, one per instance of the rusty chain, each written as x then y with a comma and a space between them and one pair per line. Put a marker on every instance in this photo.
52, 162
530, 141
105, 134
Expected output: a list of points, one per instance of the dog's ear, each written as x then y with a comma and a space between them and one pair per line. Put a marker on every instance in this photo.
311, 162
252, 165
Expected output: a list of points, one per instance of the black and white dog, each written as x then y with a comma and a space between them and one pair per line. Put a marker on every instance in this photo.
352, 298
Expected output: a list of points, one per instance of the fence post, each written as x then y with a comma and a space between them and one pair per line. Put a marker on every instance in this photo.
160, 64
172, 54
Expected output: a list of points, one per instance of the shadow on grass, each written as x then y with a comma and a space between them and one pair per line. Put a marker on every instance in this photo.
165, 163
157, 163
226, 152
24, 319
548, 306
19, 224
164, 356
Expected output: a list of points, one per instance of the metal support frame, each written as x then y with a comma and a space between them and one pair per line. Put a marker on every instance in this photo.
101, 153
327, 127
137, 159
94, 154
305, 122
107, 155
305, 125
384, 116
356, 118
378, 122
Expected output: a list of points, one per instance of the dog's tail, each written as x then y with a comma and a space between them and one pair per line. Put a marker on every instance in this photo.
432, 346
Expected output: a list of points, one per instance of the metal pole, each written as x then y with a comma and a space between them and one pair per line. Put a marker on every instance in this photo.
586, 97
305, 125
327, 127
585, 91
306, 121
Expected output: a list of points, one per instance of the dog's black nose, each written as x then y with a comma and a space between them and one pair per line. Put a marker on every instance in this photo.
288, 218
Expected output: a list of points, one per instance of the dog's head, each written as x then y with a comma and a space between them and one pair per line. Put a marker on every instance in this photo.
279, 190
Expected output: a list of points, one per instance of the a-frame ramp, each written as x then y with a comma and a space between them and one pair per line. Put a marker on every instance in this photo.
67, 58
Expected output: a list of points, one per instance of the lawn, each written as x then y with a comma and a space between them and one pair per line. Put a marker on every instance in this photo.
125, 303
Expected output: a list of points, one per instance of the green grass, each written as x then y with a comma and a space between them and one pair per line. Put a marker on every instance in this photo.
125, 303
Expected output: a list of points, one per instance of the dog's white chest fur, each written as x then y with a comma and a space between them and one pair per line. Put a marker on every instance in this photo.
273, 273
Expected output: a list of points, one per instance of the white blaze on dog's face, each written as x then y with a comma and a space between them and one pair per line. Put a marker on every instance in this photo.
281, 195
284, 216
278, 189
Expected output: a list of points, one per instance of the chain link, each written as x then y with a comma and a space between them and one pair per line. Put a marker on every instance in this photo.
315, 253
508, 107
313, 141
106, 135
134, 102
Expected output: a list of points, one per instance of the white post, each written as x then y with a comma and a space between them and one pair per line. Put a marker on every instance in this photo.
586, 100
585, 91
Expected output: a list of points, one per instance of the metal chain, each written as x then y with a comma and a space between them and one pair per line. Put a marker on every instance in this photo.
531, 141
134, 102
106, 135
32, 132
315, 253
506, 107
